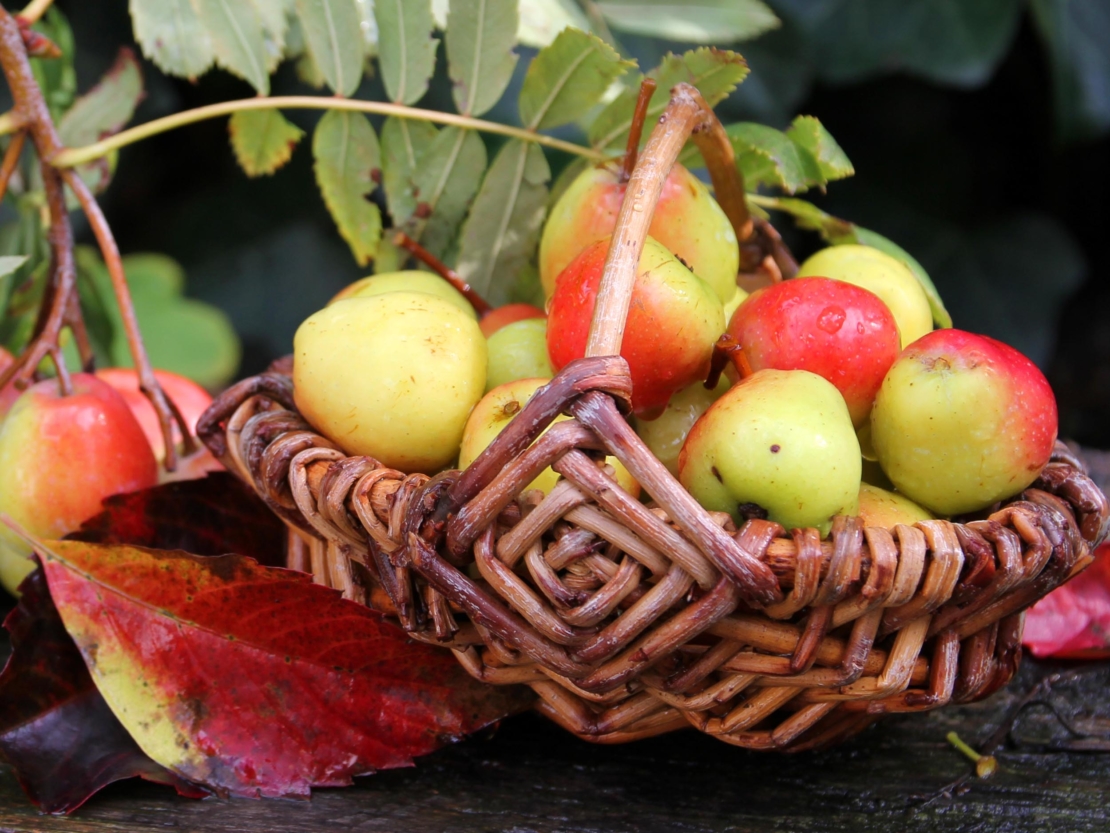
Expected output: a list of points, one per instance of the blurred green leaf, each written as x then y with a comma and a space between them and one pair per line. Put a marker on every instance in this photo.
501, 231
1077, 36
347, 156
766, 156
262, 140
107, 107
56, 76
817, 146
181, 334
542, 20
334, 37
404, 141
9, 263
235, 29
700, 21
715, 72
406, 48
567, 78
448, 175
947, 41
275, 21
172, 36
480, 58
839, 232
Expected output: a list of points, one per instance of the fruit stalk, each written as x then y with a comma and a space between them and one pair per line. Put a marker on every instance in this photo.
636, 129
60, 306
481, 306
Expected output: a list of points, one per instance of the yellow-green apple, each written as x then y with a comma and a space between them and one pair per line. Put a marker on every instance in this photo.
518, 351
882, 274
687, 222
191, 400
497, 409
880, 507
495, 319
665, 434
60, 456
409, 280
837, 330
674, 319
391, 376
781, 440
962, 421
733, 303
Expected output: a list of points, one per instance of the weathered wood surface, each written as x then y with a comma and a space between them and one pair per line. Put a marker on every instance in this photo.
531, 776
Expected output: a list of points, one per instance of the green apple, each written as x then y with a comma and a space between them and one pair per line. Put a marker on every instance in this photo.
409, 280
665, 434
881, 274
60, 456
880, 507
688, 222
962, 421
779, 439
497, 409
731, 305
391, 376
518, 351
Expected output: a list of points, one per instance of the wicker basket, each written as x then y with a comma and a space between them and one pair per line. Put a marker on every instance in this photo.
629, 620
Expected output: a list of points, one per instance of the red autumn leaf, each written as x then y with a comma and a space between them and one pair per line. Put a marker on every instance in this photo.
214, 515
1073, 621
56, 731
252, 680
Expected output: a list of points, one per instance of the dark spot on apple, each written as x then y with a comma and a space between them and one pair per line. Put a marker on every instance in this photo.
717, 474
776, 448
683, 262
751, 512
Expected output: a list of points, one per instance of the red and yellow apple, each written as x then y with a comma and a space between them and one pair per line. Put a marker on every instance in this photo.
495, 319
882, 507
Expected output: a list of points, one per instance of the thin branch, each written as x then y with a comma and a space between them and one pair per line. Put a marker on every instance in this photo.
11, 159
148, 384
77, 156
480, 304
636, 129
34, 10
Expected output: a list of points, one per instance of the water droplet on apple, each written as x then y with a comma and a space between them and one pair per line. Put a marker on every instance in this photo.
831, 319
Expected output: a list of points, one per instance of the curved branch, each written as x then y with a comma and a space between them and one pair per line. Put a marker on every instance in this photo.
148, 384
76, 156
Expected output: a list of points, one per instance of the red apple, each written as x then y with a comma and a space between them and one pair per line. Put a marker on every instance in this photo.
494, 320
674, 319
962, 421
60, 456
841, 332
687, 222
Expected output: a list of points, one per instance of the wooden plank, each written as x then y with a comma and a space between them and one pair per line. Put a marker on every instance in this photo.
531, 776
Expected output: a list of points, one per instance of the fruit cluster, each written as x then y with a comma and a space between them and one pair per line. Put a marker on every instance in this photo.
841, 399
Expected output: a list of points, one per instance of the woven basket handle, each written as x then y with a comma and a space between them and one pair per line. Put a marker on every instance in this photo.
687, 114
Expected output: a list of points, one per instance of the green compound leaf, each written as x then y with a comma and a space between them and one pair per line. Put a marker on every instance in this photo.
404, 141
406, 48
766, 156
171, 35
501, 231
715, 72
262, 140
448, 175
829, 162
704, 21
238, 39
480, 58
839, 232
334, 37
347, 157
567, 78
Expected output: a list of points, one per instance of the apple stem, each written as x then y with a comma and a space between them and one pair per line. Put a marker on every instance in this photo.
481, 306
725, 350
60, 305
636, 129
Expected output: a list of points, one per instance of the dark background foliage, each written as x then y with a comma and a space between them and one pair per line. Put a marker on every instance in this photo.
979, 143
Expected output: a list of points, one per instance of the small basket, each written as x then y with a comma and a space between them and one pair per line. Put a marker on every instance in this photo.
630, 620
